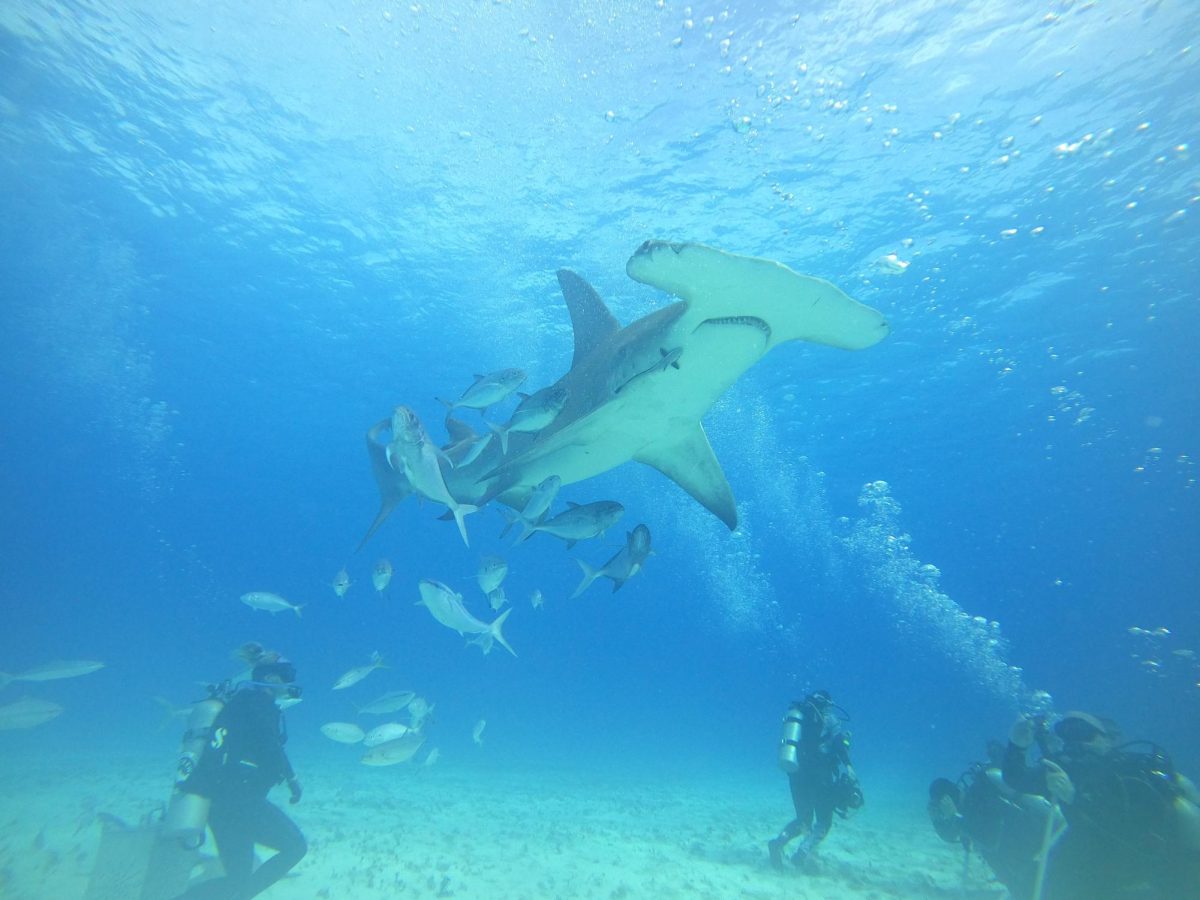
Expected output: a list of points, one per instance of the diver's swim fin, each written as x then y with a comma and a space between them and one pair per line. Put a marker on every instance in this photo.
140, 863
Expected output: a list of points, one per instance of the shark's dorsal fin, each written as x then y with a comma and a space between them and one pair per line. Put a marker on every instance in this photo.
590, 318
459, 430
687, 458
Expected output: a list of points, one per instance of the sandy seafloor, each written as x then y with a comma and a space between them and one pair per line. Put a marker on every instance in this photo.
464, 831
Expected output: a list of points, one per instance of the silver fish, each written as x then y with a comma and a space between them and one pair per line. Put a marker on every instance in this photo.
465, 445
392, 701
489, 389
447, 607
354, 676
418, 711
497, 599
268, 602
492, 570
341, 583
342, 732
578, 523
412, 452
533, 413
52, 671
536, 599
477, 731
390, 753
27, 712
534, 510
381, 734
670, 359
623, 566
381, 575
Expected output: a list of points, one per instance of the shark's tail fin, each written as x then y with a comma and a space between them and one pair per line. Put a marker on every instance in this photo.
461, 511
497, 634
589, 575
296, 609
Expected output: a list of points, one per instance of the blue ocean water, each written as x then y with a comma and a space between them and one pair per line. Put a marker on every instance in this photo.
234, 236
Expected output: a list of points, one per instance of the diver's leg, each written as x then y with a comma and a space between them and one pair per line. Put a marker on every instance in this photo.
796, 827
823, 811
230, 823
272, 828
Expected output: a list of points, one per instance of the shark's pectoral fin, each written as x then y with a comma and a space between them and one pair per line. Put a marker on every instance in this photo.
689, 461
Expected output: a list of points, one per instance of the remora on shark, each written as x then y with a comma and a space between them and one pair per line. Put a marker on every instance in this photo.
639, 392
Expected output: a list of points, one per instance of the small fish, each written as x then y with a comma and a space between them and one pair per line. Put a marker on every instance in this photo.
27, 712
488, 389
492, 570
536, 600
477, 731
623, 566
341, 583
288, 702
447, 608
381, 734
497, 599
354, 676
412, 452
390, 753
418, 711
578, 523
269, 602
465, 445
342, 732
432, 757
392, 701
669, 359
539, 501
52, 671
533, 413
381, 575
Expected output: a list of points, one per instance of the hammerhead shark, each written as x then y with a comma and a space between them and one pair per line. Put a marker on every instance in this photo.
638, 392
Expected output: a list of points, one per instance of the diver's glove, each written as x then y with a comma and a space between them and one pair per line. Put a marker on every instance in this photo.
297, 791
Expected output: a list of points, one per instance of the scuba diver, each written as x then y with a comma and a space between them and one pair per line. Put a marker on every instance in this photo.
241, 760
815, 752
980, 812
1132, 822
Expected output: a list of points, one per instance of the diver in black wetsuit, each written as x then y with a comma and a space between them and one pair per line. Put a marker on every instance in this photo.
1133, 826
822, 751
982, 813
244, 759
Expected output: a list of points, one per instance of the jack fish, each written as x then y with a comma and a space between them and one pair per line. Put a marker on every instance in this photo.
381, 575
354, 676
413, 453
578, 523
627, 562
489, 389
492, 570
52, 671
533, 413
447, 607
390, 753
342, 732
27, 712
268, 602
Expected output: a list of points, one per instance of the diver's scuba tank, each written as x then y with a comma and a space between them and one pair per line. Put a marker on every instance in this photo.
789, 741
187, 814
